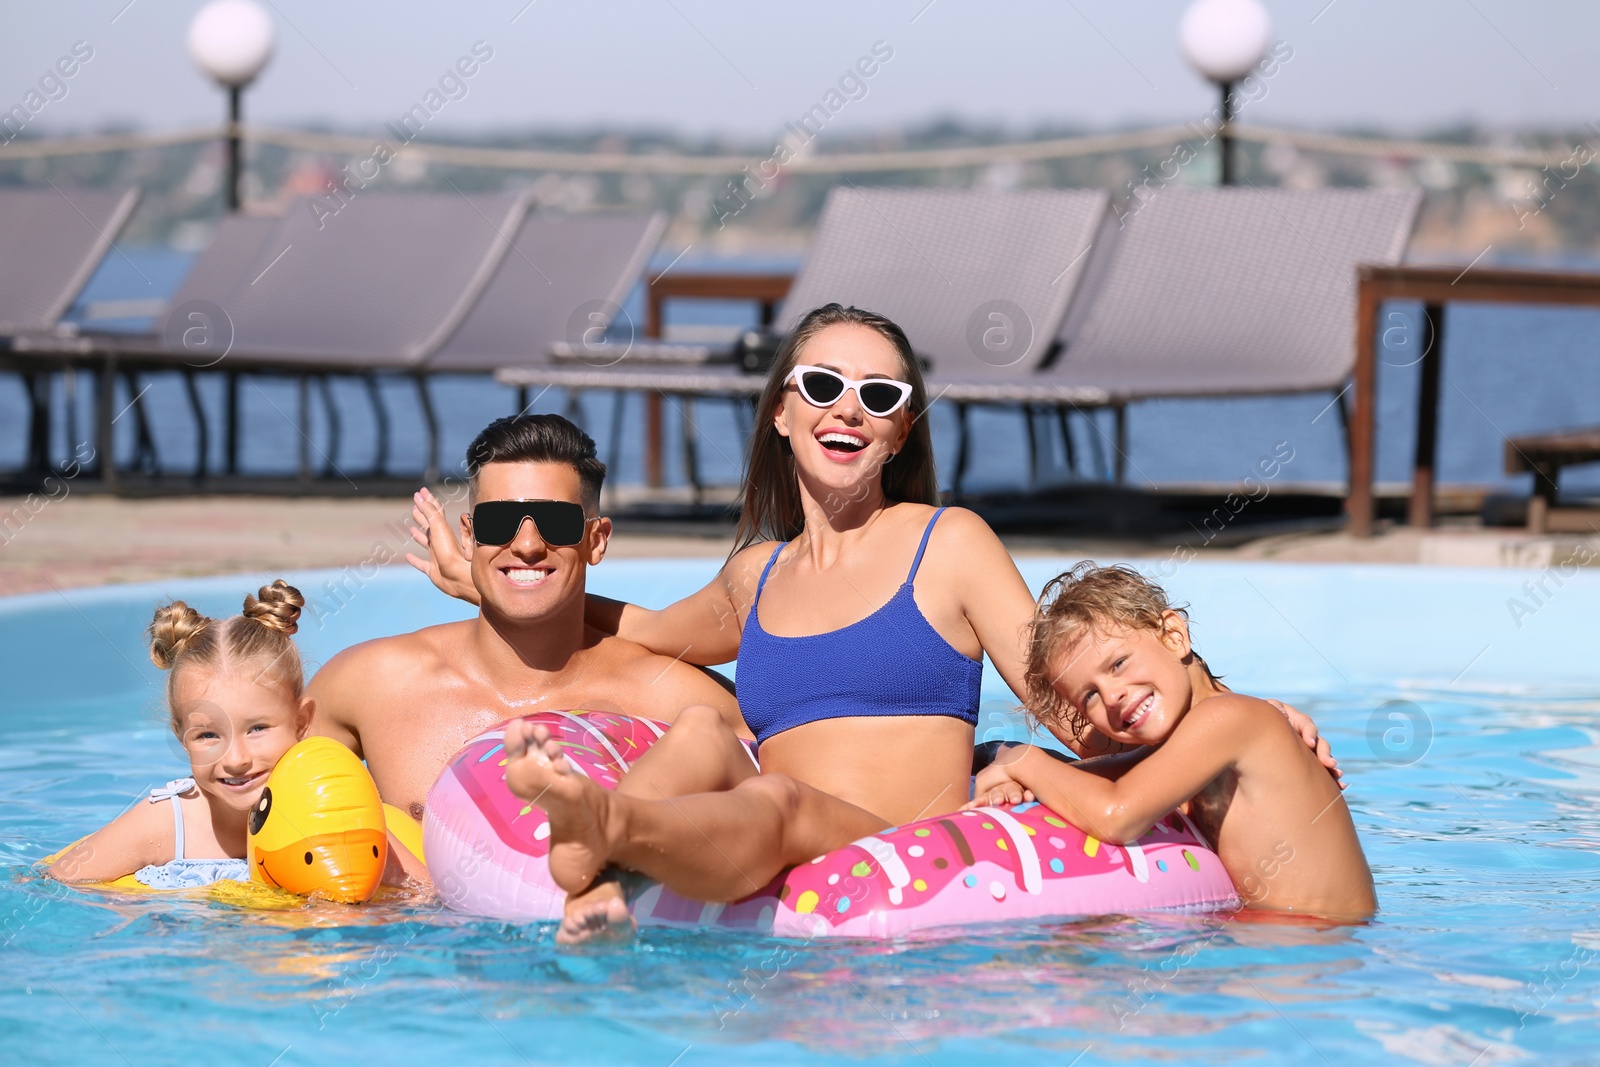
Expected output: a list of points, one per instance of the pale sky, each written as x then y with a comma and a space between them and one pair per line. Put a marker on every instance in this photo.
719, 67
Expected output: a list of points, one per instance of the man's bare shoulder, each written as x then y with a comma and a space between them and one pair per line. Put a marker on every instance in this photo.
658, 682
390, 662
627, 658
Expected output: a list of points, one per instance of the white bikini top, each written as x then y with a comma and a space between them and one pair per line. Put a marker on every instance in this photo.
172, 791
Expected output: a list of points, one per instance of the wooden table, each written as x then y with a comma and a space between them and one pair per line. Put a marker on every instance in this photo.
1545, 455
1434, 287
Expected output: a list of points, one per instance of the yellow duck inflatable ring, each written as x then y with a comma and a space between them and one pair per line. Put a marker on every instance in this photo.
319, 825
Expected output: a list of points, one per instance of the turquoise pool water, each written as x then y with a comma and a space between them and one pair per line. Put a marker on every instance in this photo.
1467, 729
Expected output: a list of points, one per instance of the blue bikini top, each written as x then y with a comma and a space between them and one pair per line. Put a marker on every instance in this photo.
893, 662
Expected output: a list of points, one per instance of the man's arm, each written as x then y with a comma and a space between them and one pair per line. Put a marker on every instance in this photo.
680, 685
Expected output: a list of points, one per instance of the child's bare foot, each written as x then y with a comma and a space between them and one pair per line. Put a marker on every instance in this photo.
579, 811
600, 913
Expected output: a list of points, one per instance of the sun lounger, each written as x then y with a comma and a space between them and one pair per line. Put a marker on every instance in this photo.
51, 240
382, 284
564, 279
1223, 292
980, 280
224, 265
392, 283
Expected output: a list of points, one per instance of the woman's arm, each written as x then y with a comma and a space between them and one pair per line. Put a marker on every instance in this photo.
704, 627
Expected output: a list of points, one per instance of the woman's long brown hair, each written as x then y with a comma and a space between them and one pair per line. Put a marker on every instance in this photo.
771, 508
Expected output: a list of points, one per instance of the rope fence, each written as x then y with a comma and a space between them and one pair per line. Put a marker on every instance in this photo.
827, 163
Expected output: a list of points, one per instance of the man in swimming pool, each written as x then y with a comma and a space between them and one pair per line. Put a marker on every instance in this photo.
406, 704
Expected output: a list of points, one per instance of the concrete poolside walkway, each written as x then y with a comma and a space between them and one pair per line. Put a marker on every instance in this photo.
84, 540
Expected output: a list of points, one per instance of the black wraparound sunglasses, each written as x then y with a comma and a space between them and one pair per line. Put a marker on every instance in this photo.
559, 522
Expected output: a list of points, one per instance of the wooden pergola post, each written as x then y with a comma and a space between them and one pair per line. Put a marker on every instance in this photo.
1358, 502
1434, 287
1423, 473
765, 289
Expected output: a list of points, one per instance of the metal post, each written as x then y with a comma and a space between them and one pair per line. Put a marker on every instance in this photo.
691, 453
304, 394
38, 386
430, 476
331, 411
1033, 446
105, 398
1066, 439
230, 433
380, 420
202, 431
233, 148
962, 433
1120, 463
69, 392
1101, 468
1225, 134
144, 439
652, 401
1543, 500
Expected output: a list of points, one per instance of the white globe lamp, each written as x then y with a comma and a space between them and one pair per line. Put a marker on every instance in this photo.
231, 42
1224, 40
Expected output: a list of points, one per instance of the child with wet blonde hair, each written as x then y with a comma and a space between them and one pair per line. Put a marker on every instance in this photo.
235, 692
1109, 651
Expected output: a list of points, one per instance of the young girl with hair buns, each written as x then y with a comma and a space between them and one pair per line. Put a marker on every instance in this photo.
235, 695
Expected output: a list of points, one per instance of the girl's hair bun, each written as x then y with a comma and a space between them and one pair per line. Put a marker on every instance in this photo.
174, 628
276, 606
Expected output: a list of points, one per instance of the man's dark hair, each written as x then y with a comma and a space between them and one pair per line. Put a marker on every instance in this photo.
538, 439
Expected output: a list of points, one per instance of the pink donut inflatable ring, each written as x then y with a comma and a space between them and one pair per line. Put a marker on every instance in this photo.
487, 852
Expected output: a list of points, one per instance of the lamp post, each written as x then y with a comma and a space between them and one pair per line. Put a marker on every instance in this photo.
1224, 40
231, 41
